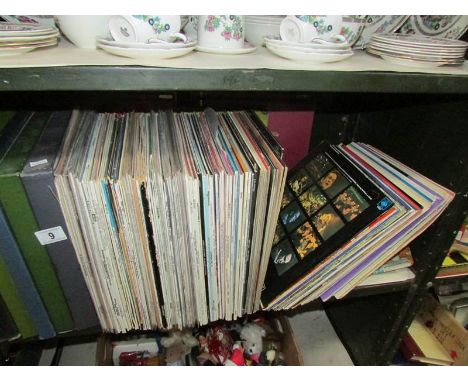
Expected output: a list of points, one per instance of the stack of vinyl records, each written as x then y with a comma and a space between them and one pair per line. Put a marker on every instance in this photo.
346, 211
172, 215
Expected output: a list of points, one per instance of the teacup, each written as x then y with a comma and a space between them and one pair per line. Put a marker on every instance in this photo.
142, 28
305, 28
82, 30
221, 31
352, 27
191, 28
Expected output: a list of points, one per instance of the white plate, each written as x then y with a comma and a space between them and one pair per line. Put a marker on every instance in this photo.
41, 43
423, 41
379, 24
145, 53
7, 52
263, 23
29, 38
13, 29
452, 27
142, 45
415, 56
318, 43
412, 63
436, 62
319, 49
418, 48
416, 52
246, 49
308, 57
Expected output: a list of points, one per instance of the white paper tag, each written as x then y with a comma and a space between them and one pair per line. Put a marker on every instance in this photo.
50, 235
37, 163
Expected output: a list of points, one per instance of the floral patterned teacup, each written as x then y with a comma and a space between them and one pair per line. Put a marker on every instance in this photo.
352, 28
191, 28
221, 31
142, 28
305, 28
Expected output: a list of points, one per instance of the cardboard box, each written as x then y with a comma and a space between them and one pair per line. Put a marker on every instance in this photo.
450, 333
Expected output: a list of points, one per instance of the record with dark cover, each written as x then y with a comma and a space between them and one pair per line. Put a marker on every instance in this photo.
328, 202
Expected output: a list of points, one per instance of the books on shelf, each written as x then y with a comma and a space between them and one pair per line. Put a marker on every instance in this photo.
403, 259
456, 262
18, 139
37, 177
346, 211
19, 272
419, 345
8, 328
436, 337
395, 270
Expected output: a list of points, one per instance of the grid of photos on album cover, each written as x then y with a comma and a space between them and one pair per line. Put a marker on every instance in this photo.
318, 201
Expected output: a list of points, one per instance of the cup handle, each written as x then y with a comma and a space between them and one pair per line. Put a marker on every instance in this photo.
179, 36
172, 38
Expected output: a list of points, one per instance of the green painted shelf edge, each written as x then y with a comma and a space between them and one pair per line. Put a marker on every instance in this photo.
137, 78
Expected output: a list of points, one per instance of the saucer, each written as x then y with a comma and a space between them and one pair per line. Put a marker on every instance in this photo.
318, 43
145, 53
142, 45
307, 56
246, 49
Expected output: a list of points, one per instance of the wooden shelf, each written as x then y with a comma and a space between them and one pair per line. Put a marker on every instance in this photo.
137, 78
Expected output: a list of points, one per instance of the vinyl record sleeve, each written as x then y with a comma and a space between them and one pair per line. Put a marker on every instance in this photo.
330, 202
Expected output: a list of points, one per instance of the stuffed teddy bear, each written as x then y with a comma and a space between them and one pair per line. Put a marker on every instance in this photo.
252, 335
178, 344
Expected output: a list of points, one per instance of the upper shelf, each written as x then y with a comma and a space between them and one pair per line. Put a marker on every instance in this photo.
68, 68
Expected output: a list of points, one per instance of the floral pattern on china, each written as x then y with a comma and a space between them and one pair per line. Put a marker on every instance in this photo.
233, 31
446, 26
155, 23
318, 22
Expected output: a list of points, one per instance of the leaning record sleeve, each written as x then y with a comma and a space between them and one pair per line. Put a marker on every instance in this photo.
329, 202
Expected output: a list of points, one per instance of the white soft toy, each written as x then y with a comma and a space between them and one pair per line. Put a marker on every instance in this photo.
251, 335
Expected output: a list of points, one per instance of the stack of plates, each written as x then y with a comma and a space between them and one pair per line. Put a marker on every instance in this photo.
146, 50
378, 24
418, 51
258, 27
21, 38
317, 51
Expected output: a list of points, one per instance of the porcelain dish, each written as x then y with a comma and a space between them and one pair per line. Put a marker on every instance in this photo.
142, 53
415, 50
142, 45
17, 38
246, 49
314, 57
379, 24
446, 26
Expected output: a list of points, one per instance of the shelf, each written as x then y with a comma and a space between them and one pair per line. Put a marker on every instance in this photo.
67, 68
459, 279
135, 78
372, 290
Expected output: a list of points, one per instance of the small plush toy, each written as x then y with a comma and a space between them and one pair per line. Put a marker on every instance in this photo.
237, 356
251, 335
178, 344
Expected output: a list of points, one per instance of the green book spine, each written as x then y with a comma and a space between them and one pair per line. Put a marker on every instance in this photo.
23, 224
14, 303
